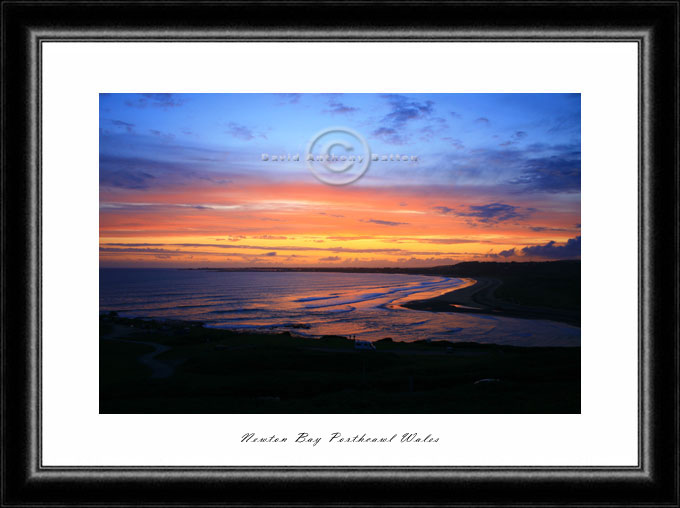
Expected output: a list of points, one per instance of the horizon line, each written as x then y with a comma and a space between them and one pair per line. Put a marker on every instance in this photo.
235, 268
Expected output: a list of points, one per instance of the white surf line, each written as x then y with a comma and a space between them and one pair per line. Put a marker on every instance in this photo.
396, 293
159, 369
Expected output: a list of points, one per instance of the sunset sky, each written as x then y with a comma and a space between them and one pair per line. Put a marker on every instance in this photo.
183, 183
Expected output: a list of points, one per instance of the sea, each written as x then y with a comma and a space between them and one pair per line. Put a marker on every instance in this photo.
365, 305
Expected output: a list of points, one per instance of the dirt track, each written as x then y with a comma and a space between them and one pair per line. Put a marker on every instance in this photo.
158, 368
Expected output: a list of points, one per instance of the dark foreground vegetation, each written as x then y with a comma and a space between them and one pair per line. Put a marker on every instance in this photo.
180, 367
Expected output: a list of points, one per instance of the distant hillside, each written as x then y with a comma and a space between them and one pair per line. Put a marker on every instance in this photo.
465, 269
558, 269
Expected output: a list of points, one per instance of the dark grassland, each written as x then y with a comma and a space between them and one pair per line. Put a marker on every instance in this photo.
219, 371
554, 284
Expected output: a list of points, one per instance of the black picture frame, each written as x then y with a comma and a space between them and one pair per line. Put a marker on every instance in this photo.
653, 25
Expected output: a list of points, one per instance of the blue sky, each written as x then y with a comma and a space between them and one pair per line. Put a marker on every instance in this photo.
487, 137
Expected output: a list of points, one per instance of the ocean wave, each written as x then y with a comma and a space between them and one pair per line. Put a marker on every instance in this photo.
230, 311
400, 292
336, 304
313, 298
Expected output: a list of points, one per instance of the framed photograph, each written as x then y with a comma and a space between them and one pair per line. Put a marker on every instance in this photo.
288, 254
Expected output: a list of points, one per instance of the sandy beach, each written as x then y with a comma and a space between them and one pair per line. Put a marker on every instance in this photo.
477, 297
